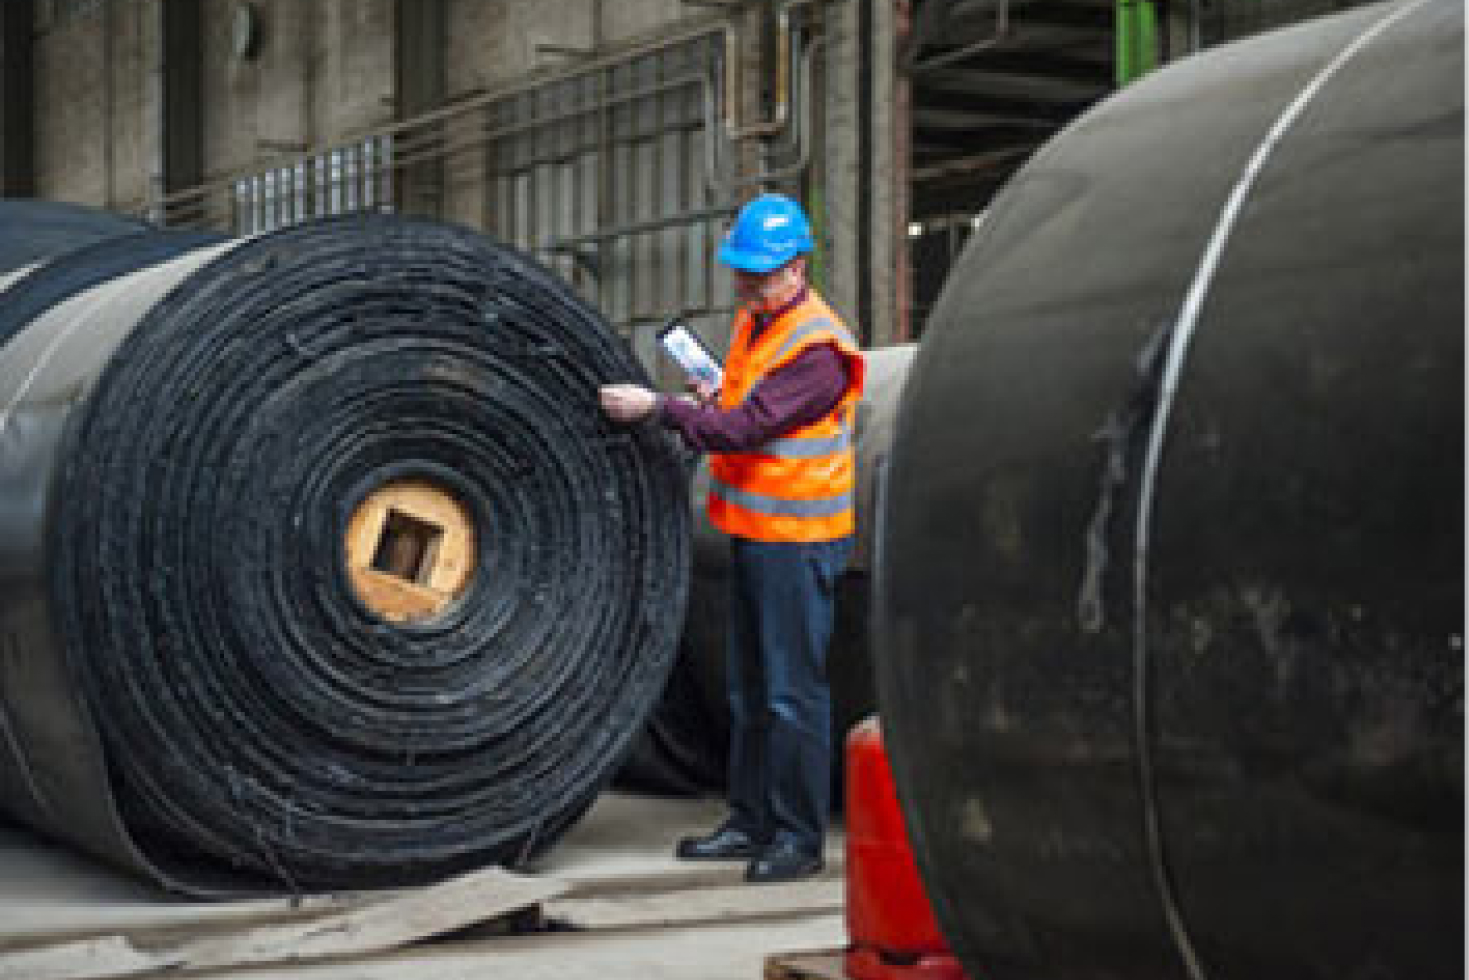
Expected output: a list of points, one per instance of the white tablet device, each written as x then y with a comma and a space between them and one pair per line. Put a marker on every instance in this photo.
685, 347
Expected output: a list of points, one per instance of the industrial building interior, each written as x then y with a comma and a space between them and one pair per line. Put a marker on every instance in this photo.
1157, 503
610, 139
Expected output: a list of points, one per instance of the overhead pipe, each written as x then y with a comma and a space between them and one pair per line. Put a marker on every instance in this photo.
801, 136
735, 127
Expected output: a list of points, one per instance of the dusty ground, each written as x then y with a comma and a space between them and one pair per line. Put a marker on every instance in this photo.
628, 910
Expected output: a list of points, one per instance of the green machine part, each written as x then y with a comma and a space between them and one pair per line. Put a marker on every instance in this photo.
1136, 39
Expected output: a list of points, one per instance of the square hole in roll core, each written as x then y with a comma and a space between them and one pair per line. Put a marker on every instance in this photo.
407, 547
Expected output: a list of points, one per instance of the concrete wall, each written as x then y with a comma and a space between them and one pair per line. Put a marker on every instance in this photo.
324, 71
488, 44
92, 134
492, 44
128, 151
625, 19
353, 87
71, 99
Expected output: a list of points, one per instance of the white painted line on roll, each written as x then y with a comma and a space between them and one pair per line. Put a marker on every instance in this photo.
1178, 344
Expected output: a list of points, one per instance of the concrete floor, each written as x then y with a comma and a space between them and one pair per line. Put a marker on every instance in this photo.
630, 910
729, 951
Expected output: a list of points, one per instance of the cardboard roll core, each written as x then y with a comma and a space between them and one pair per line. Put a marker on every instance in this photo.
410, 550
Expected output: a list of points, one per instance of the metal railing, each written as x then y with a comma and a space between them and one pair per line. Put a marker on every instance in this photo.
356, 177
617, 171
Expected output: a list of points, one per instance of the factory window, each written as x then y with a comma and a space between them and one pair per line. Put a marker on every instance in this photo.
355, 177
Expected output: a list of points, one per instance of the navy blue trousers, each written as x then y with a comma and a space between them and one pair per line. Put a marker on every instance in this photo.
781, 611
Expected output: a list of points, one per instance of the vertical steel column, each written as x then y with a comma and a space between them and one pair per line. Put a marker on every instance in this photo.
418, 58
183, 113
17, 99
840, 166
109, 107
1136, 40
888, 226
902, 180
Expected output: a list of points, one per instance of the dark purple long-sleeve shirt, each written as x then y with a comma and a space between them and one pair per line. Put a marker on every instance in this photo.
797, 393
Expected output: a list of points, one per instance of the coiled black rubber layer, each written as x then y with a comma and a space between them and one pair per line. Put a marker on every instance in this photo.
33, 230
253, 711
58, 278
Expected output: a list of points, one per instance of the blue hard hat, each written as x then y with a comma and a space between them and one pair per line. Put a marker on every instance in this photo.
766, 234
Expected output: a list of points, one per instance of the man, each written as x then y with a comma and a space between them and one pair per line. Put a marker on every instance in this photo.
783, 481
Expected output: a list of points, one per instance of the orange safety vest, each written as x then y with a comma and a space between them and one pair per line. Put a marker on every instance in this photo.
801, 485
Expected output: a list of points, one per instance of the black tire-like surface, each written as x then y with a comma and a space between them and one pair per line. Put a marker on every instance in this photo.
32, 231
72, 270
254, 714
1220, 736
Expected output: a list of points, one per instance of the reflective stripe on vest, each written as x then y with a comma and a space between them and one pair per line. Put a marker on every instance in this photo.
807, 329
780, 506
809, 447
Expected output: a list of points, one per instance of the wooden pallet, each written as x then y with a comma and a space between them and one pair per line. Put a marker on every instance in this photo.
353, 926
821, 964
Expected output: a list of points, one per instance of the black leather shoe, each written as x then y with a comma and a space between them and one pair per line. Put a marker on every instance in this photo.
725, 844
783, 862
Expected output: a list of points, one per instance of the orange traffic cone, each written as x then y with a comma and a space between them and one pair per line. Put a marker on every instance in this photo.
890, 925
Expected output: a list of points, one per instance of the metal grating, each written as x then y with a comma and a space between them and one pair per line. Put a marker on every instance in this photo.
350, 178
606, 176
618, 172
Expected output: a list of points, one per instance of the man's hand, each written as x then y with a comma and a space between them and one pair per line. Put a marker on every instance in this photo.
703, 391
627, 403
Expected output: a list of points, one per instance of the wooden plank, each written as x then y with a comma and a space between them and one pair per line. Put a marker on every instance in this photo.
374, 924
432, 569
452, 561
825, 964
692, 906
395, 599
364, 529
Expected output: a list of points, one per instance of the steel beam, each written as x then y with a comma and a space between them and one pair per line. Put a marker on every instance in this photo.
17, 99
419, 59
183, 112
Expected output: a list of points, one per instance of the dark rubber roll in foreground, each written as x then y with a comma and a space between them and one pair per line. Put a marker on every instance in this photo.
230, 655
1170, 648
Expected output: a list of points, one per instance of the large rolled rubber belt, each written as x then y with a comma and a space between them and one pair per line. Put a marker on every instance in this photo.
50, 252
685, 748
203, 679
1170, 598
31, 231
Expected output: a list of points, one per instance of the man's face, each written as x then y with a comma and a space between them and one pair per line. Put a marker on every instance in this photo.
767, 291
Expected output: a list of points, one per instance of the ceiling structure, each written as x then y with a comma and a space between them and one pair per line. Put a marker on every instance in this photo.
991, 80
